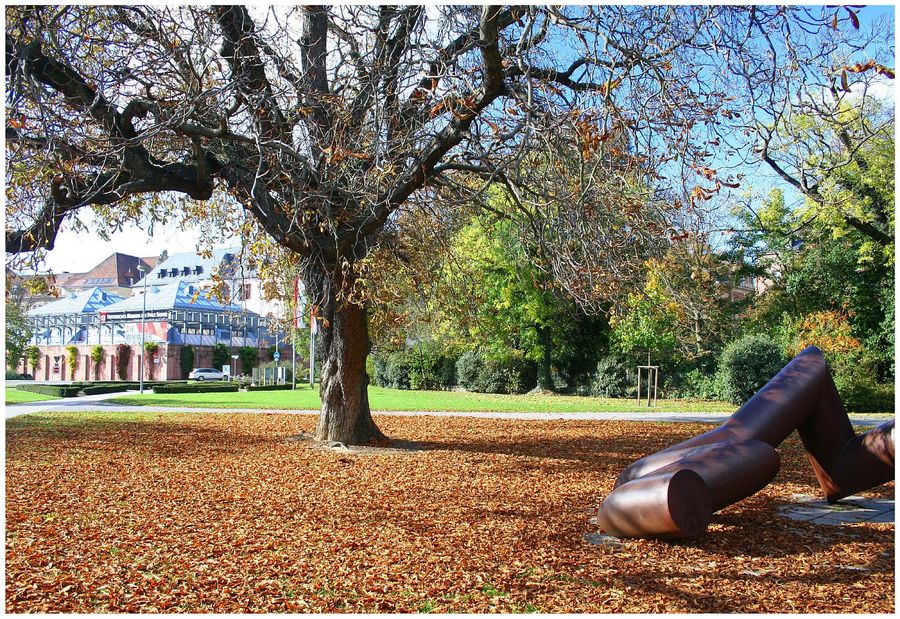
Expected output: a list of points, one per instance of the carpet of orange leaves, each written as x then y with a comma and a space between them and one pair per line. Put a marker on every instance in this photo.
221, 513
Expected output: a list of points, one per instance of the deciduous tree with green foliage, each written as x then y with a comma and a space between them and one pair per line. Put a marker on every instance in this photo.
17, 333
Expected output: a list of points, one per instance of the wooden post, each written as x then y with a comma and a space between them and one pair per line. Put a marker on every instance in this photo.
655, 384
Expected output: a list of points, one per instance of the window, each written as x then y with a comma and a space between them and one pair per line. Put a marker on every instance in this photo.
198, 270
173, 272
186, 271
161, 273
245, 292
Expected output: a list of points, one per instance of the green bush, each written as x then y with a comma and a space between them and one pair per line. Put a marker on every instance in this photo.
423, 366
269, 387
214, 387
62, 391
11, 375
864, 395
509, 374
468, 367
431, 367
746, 365
697, 385
249, 358
392, 370
129, 384
610, 378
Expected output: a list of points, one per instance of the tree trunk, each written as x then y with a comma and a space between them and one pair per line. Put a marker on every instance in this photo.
345, 415
545, 379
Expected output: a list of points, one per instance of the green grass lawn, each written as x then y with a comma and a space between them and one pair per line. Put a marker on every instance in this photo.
14, 396
401, 400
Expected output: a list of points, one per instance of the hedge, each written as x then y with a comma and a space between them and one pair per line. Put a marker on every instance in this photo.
510, 374
198, 388
127, 384
269, 387
98, 389
62, 391
424, 366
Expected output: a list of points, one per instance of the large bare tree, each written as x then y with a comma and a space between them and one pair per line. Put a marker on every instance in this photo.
321, 123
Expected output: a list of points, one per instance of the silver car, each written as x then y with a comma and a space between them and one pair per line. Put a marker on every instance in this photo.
206, 374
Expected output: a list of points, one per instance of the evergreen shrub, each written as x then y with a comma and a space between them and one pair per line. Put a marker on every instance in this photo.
424, 366
610, 378
392, 370
512, 373
746, 365
696, 385
467, 368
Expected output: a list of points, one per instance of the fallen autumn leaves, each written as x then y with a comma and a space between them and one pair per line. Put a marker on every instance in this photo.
169, 513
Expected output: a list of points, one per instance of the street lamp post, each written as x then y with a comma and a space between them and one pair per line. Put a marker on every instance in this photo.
143, 271
277, 354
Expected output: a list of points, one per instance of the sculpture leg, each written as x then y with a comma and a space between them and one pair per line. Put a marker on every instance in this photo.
738, 458
865, 461
678, 499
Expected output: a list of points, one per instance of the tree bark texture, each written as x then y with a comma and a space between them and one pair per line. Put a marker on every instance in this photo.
345, 416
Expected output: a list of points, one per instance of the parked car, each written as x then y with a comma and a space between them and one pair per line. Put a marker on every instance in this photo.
206, 374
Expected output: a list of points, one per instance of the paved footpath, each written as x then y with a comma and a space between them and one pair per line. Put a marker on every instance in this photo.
99, 403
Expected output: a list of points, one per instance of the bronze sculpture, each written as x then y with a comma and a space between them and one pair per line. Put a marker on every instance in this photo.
674, 492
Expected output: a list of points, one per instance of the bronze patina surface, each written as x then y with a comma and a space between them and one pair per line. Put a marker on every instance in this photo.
674, 492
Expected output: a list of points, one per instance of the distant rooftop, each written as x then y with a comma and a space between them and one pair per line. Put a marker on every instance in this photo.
83, 302
116, 270
191, 267
174, 295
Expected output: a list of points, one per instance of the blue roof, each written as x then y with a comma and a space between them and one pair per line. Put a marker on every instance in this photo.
84, 302
176, 295
190, 267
